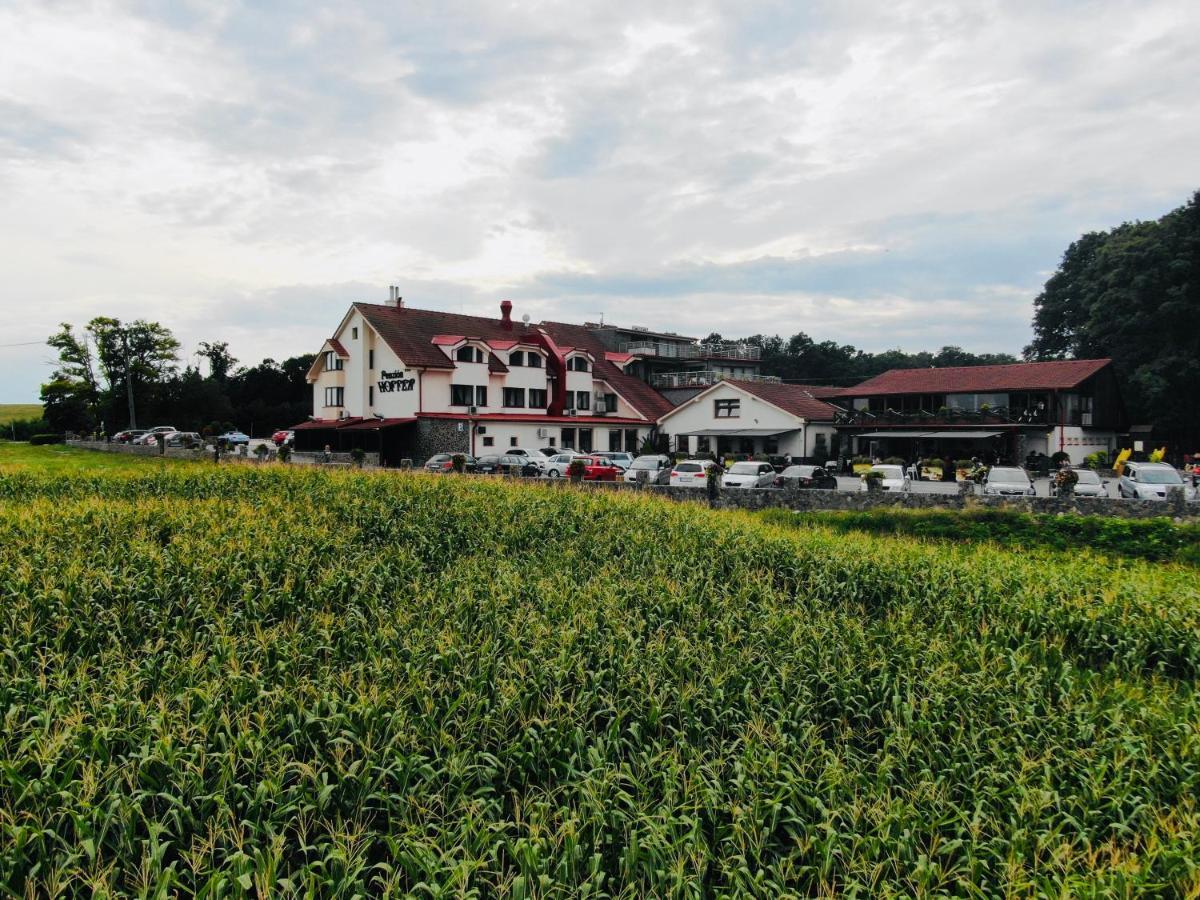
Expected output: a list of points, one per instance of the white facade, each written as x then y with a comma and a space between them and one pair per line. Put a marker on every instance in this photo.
730, 416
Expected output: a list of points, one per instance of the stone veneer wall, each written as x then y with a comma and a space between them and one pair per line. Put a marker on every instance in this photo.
441, 436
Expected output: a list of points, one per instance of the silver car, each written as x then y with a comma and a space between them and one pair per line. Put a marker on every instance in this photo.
1149, 481
657, 468
1089, 485
749, 475
1007, 481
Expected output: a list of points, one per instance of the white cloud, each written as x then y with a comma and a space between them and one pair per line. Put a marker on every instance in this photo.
878, 174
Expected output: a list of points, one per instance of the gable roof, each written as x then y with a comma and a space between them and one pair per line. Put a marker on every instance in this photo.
796, 399
1054, 375
793, 399
410, 333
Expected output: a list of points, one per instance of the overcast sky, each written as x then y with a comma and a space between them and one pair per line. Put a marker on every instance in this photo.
894, 174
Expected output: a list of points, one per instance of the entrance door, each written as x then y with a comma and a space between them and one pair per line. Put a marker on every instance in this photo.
631, 441
585, 440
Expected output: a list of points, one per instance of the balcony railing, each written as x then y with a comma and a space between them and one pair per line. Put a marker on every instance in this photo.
998, 415
704, 379
692, 351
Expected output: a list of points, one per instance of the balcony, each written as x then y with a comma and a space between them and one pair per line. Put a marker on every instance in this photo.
704, 379
692, 351
999, 415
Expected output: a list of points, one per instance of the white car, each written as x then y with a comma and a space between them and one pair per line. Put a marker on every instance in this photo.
1089, 484
150, 438
894, 479
1007, 481
1149, 481
556, 466
692, 473
657, 468
748, 475
537, 457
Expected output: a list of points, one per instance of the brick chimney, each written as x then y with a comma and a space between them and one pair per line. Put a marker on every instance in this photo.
506, 315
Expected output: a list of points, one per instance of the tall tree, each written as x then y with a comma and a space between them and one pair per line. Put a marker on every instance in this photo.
220, 360
1132, 294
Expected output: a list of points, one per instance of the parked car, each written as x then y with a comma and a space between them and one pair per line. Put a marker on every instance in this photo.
234, 438
748, 475
619, 458
556, 466
656, 466
537, 457
496, 464
150, 438
597, 468
1149, 481
129, 435
1089, 485
691, 473
894, 478
556, 451
188, 439
806, 477
1007, 481
283, 437
163, 429
444, 462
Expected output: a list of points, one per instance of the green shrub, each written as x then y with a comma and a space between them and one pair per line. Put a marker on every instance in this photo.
963, 464
1060, 456
40, 439
894, 461
1098, 460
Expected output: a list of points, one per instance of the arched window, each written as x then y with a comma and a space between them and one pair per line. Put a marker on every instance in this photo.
533, 360
469, 354
577, 364
516, 358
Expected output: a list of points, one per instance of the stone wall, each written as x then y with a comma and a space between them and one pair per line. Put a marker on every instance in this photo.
813, 500
441, 436
131, 450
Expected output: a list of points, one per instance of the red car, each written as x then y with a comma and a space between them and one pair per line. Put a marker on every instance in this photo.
283, 436
597, 468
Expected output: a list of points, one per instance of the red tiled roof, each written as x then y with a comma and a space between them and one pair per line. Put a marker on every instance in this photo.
409, 332
494, 364
326, 423
446, 340
822, 391
794, 398
338, 348
618, 358
502, 345
372, 424
1054, 375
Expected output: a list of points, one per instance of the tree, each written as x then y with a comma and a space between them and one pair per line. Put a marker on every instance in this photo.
220, 361
66, 406
1132, 294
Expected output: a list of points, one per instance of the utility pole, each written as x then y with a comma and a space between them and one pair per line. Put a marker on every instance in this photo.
129, 381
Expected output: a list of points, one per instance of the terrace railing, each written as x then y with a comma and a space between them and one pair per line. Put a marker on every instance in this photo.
998, 415
667, 350
704, 379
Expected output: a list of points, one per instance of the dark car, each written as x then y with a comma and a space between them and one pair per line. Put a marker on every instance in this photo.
128, 435
444, 462
507, 464
813, 477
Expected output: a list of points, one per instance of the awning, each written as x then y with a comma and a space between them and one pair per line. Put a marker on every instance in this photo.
375, 424
963, 434
737, 432
330, 424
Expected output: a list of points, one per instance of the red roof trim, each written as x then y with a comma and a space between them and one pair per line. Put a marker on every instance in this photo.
519, 417
447, 340
373, 424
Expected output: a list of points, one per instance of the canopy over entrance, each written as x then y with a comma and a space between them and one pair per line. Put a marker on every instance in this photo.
737, 432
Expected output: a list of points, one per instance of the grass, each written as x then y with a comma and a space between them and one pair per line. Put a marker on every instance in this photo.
61, 460
11, 412
262, 680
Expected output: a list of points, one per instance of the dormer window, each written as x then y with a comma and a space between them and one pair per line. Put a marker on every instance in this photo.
469, 354
578, 364
533, 360
516, 358
333, 362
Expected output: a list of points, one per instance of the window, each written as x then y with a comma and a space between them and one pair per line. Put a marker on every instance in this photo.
726, 409
462, 394
489, 442
537, 398
615, 439
568, 437
610, 403
533, 360
333, 362
480, 395
371, 394
371, 359
335, 396
583, 400
585, 440
354, 333
469, 354
577, 364
514, 397
516, 358
703, 445
512, 441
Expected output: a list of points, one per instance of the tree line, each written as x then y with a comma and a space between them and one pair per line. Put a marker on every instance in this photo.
112, 373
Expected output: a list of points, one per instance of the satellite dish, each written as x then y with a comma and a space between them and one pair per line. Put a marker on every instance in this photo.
525, 318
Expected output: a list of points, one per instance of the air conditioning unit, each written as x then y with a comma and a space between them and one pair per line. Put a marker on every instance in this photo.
543, 432
472, 410
572, 412
482, 429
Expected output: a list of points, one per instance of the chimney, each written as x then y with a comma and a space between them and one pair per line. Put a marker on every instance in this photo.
506, 315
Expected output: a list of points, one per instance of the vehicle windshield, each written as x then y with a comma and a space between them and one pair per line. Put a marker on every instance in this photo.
1087, 476
646, 462
440, 457
688, 467
889, 471
1157, 476
999, 473
744, 468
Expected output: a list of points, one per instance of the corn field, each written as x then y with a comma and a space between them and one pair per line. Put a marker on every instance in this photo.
260, 681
